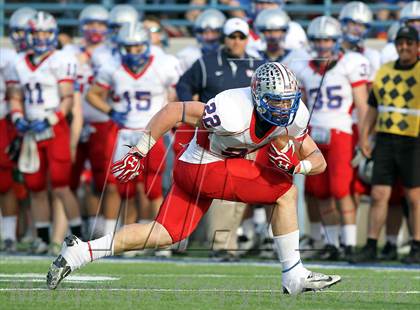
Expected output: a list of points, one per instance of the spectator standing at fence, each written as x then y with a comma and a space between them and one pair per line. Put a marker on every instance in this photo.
394, 106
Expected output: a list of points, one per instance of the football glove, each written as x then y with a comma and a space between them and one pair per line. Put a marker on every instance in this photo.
22, 125
52, 119
129, 167
285, 159
38, 126
357, 157
118, 117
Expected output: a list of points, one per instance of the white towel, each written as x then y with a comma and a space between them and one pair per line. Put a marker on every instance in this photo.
29, 157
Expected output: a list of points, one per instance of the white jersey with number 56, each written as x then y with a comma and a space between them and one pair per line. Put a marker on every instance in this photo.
40, 83
335, 99
141, 94
229, 122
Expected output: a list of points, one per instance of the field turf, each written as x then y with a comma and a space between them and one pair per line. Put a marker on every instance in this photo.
180, 284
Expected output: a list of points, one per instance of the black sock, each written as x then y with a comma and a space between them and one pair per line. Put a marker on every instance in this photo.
415, 244
76, 230
44, 234
372, 243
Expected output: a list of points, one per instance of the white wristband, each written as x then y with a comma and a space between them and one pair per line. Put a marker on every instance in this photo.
16, 115
146, 142
305, 167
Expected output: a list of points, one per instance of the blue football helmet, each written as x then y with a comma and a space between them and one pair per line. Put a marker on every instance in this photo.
41, 22
134, 34
275, 93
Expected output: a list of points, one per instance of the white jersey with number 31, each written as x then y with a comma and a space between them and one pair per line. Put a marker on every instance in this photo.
334, 104
40, 83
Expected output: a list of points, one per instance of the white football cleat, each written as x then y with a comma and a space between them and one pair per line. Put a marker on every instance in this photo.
62, 266
313, 282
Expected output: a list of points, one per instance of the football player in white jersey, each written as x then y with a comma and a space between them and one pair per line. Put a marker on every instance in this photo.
295, 36
8, 204
90, 125
108, 55
333, 83
40, 103
234, 123
410, 16
389, 51
208, 33
119, 15
272, 26
137, 89
355, 18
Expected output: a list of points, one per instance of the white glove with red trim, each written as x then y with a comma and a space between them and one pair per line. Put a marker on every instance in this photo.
129, 167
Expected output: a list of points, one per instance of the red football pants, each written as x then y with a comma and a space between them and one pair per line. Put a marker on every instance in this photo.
196, 185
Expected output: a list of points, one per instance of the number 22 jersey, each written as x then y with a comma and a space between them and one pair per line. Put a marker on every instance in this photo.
229, 122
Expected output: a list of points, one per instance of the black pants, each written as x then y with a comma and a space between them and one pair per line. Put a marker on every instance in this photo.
395, 157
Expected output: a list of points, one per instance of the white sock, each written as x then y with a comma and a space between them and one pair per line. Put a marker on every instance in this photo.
9, 227
349, 234
270, 231
332, 233
102, 247
85, 252
392, 239
77, 221
109, 226
96, 225
287, 247
316, 231
144, 221
259, 216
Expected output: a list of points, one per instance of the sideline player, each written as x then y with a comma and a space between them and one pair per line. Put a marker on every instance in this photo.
40, 103
138, 89
8, 203
96, 126
234, 123
208, 33
343, 85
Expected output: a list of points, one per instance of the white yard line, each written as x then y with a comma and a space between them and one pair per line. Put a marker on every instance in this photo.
216, 290
206, 262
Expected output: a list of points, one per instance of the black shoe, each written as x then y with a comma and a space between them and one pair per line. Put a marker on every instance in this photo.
10, 246
266, 249
329, 252
367, 254
389, 252
413, 257
348, 252
223, 256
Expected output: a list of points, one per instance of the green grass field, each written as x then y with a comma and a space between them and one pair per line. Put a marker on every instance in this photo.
144, 284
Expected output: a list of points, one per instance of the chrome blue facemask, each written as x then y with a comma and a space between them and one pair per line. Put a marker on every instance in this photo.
275, 115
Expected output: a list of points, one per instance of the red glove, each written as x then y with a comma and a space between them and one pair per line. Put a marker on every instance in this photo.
129, 167
285, 159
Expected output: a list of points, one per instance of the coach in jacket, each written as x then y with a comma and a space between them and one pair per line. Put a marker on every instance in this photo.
229, 67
